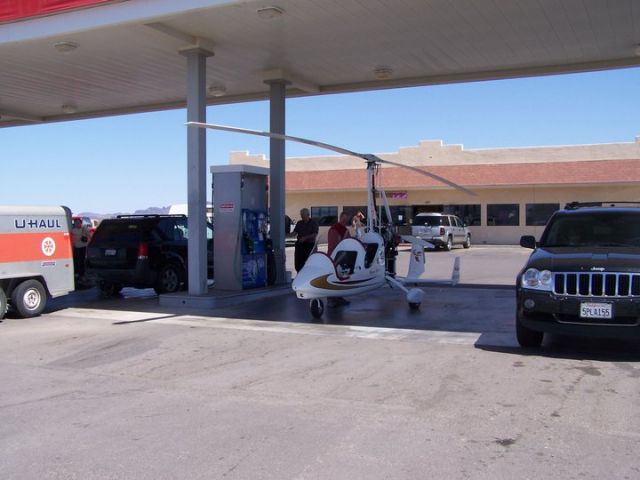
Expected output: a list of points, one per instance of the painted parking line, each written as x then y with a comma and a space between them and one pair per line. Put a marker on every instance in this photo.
372, 333
100, 314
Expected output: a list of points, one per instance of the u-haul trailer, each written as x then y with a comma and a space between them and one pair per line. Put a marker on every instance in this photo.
36, 257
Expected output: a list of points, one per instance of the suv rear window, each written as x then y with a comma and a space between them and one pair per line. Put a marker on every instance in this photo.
123, 233
593, 229
430, 220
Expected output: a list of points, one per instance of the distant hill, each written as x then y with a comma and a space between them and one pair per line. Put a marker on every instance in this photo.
152, 211
146, 211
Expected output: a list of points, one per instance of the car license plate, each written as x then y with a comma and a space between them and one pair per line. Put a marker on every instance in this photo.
596, 310
110, 252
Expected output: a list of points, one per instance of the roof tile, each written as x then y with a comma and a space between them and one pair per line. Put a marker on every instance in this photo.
586, 172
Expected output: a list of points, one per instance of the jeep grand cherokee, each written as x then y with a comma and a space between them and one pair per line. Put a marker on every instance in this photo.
583, 277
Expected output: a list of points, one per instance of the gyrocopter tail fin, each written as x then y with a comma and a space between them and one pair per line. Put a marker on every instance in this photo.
417, 260
417, 265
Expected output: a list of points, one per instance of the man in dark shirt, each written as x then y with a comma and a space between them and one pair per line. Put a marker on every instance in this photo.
307, 230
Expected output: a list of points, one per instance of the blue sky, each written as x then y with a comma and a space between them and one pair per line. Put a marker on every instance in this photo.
136, 161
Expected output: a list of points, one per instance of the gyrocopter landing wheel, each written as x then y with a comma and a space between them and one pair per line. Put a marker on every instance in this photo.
317, 307
414, 298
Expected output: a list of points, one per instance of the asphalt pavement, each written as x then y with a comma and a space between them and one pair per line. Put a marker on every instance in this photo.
127, 389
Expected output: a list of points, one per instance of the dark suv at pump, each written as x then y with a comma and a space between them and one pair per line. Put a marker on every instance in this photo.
142, 251
583, 277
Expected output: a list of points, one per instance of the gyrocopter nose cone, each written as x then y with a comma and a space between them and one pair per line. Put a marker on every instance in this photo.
295, 284
303, 279
312, 279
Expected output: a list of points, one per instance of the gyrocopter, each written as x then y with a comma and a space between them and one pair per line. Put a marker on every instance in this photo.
358, 266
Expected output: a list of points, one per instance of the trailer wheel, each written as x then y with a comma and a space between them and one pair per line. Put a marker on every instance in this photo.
29, 298
3, 303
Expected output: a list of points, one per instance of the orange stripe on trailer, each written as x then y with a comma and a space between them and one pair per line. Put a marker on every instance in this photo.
30, 247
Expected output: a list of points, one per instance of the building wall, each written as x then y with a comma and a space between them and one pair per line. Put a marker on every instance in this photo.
484, 233
593, 181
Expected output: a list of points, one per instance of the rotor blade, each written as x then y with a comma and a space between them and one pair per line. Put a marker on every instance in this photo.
432, 175
365, 156
278, 136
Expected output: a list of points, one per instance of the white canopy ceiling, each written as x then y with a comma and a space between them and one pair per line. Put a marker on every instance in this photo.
127, 57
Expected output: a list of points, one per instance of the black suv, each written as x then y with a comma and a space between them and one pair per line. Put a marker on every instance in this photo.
583, 277
142, 251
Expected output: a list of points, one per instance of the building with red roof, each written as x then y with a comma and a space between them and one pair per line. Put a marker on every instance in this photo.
516, 188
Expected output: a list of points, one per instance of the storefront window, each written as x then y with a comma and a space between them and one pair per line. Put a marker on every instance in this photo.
426, 209
503, 214
469, 214
325, 216
352, 210
401, 214
537, 214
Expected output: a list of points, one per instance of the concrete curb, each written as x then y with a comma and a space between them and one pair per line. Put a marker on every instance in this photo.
216, 298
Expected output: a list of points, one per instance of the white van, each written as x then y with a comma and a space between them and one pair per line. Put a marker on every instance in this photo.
183, 209
36, 257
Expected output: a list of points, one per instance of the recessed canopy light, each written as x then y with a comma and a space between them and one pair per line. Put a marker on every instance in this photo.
268, 13
217, 90
65, 47
69, 108
383, 72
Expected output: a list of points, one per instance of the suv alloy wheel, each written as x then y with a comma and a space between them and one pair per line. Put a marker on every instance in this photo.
170, 278
449, 245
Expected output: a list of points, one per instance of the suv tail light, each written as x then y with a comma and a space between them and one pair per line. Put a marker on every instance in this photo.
143, 251
442, 231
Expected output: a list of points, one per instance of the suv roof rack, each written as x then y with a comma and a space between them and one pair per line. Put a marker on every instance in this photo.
576, 205
152, 215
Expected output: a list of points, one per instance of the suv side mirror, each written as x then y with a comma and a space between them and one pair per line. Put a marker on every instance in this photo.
528, 241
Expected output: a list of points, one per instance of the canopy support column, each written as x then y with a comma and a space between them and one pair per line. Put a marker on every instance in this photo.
277, 174
197, 170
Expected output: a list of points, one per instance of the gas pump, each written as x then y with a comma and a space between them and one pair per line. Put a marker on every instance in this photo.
254, 254
240, 226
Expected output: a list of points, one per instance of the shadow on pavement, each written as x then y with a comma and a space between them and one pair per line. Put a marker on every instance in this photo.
575, 348
486, 312
445, 309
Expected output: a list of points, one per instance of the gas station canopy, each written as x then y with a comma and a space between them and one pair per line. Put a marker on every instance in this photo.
113, 57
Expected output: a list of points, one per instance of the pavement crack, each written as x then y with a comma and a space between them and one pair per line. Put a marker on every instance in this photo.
40, 399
